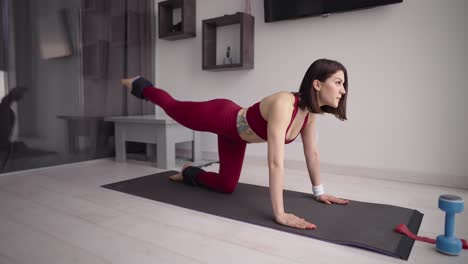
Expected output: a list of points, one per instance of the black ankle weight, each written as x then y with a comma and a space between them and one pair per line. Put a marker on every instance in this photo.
138, 85
190, 175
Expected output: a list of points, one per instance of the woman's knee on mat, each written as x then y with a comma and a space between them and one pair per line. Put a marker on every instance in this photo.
226, 186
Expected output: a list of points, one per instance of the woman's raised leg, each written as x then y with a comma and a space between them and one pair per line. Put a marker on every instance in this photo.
217, 116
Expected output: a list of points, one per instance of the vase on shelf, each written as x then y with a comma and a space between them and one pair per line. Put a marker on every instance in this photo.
177, 27
227, 59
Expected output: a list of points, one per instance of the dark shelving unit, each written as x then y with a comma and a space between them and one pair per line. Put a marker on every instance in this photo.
188, 24
210, 26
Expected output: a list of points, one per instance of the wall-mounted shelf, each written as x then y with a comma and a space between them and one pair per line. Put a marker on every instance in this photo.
165, 14
210, 26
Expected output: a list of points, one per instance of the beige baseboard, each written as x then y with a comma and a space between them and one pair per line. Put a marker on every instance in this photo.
452, 181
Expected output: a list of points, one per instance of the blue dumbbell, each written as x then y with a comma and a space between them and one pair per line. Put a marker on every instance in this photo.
448, 243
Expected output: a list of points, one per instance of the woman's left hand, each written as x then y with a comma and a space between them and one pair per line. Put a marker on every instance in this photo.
328, 199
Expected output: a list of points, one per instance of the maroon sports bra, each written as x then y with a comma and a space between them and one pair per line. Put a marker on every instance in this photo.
259, 125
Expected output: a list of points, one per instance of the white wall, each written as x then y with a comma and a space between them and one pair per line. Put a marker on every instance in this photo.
407, 67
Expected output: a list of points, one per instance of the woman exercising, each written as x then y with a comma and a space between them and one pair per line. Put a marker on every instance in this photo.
277, 119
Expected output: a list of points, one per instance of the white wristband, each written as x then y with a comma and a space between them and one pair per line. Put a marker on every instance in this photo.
318, 190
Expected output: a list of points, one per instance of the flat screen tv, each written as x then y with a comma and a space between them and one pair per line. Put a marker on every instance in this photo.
276, 10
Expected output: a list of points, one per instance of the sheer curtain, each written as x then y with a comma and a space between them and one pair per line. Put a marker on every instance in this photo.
117, 42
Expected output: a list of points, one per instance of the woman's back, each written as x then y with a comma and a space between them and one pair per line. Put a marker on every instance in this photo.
258, 115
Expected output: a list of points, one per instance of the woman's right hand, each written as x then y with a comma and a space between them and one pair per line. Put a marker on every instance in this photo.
294, 221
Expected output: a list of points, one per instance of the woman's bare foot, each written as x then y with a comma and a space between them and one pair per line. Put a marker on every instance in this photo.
178, 176
128, 82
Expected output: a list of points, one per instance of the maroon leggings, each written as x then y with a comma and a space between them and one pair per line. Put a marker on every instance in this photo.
216, 116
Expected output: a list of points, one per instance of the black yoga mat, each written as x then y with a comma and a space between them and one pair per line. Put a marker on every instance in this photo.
360, 224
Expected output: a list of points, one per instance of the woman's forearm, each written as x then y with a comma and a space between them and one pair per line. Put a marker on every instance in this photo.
276, 189
313, 166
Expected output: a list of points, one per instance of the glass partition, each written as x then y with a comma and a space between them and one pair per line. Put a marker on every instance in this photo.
60, 68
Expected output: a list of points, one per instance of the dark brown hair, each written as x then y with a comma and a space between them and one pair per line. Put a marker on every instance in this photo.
321, 70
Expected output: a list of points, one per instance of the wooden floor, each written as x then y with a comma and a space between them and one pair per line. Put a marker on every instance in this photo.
61, 215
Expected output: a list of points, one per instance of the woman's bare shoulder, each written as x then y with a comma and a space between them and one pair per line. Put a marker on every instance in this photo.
281, 95
268, 101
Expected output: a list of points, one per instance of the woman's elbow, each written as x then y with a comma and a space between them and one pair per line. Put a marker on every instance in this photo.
313, 156
275, 164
